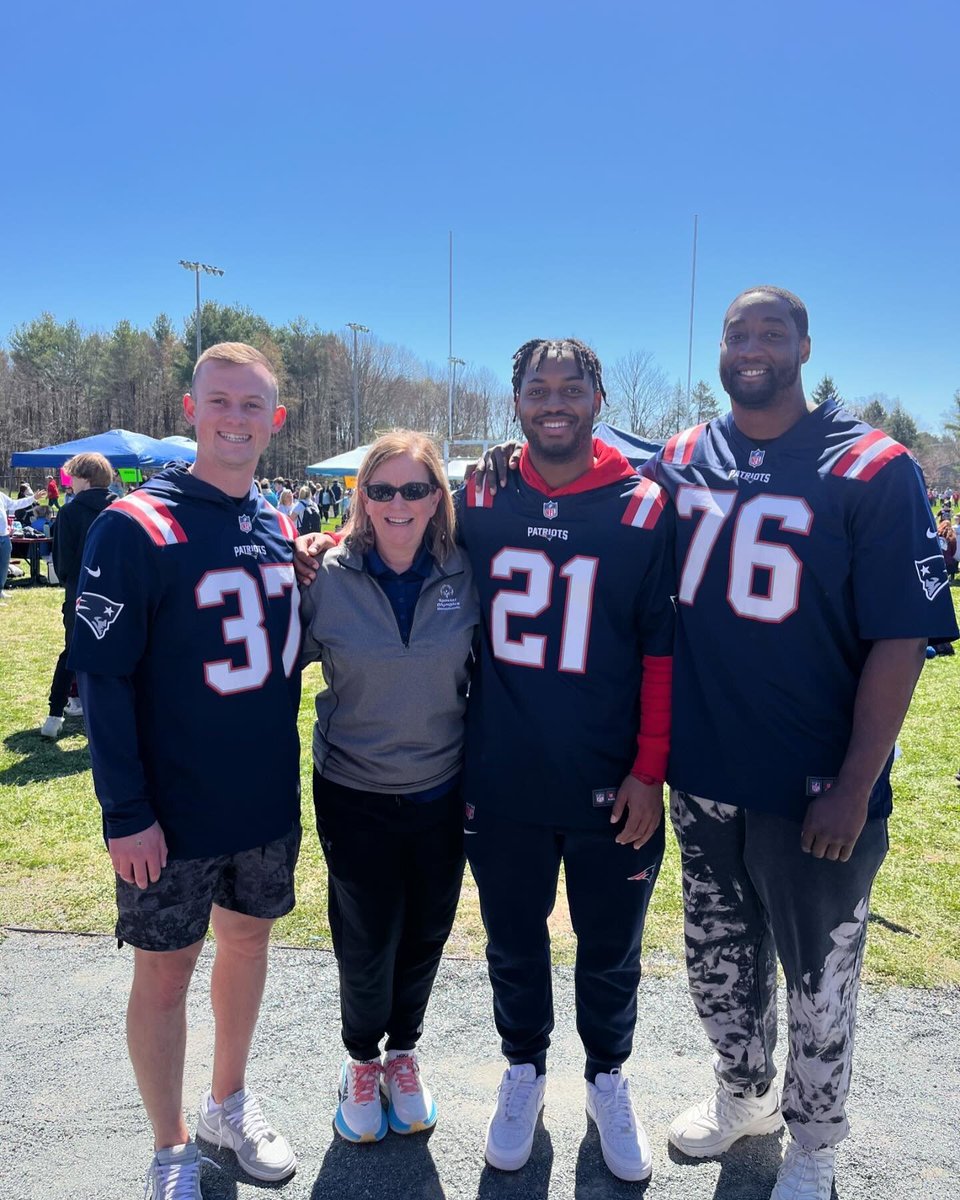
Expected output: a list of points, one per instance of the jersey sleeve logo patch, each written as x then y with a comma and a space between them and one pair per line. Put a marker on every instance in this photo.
99, 612
933, 574
645, 505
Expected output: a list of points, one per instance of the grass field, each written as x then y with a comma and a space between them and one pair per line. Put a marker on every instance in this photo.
54, 873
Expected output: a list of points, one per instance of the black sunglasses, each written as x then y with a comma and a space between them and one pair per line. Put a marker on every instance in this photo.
383, 493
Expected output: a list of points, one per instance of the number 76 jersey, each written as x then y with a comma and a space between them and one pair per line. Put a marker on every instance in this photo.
793, 557
575, 588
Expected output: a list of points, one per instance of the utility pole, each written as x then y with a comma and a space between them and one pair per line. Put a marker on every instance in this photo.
357, 328
197, 267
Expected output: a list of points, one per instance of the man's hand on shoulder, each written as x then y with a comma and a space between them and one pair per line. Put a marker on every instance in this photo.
833, 823
308, 551
495, 464
140, 857
643, 804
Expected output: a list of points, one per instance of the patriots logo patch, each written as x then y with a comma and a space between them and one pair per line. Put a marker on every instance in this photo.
99, 612
643, 876
933, 576
245, 523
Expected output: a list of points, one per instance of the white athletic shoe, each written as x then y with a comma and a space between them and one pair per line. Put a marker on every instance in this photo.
804, 1174
51, 728
360, 1116
74, 707
411, 1108
712, 1126
623, 1141
175, 1174
239, 1124
514, 1121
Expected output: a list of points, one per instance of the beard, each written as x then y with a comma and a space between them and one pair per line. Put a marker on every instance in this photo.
581, 436
753, 396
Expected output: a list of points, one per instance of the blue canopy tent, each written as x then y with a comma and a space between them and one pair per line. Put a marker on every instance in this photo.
119, 446
633, 447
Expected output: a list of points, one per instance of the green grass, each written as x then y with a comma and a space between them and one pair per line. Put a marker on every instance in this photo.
54, 872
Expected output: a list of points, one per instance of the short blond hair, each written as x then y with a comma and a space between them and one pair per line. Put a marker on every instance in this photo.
90, 466
441, 531
235, 352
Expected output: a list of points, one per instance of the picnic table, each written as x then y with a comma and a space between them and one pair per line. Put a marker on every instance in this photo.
32, 549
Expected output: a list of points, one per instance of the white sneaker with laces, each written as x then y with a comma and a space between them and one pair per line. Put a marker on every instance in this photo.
239, 1124
514, 1121
623, 1140
360, 1116
410, 1106
712, 1126
74, 707
175, 1174
51, 728
804, 1174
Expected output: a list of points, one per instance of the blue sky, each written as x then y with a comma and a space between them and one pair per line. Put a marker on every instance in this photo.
320, 154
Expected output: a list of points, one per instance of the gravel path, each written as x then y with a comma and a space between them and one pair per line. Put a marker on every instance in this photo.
71, 1124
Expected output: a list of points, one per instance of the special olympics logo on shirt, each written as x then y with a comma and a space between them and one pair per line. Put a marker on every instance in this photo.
99, 612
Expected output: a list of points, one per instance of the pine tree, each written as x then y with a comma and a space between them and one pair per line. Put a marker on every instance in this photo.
826, 389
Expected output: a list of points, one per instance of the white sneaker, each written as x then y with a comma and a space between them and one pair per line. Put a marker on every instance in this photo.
514, 1121
74, 707
175, 1174
804, 1174
360, 1116
623, 1141
411, 1107
51, 728
239, 1124
712, 1126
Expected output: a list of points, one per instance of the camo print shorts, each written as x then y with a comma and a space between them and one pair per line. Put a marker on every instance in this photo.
174, 912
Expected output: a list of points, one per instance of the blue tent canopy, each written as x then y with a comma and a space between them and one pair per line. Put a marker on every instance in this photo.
119, 446
633, 447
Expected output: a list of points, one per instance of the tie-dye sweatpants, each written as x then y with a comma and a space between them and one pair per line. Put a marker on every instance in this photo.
751, 895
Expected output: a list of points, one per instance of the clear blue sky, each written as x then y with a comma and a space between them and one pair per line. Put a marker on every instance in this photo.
320, 153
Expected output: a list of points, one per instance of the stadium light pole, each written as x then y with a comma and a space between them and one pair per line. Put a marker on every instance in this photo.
454, 363
197, 267
357, 328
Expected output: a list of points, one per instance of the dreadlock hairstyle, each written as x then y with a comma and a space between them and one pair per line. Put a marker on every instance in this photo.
543, 348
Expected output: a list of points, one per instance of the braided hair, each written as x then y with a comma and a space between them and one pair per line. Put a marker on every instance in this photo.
543, 348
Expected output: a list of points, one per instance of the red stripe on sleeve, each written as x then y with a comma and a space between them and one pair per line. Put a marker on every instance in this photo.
653, 739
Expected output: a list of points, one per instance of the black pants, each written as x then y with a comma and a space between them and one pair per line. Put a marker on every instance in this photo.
608, 890
395, 869
62, 677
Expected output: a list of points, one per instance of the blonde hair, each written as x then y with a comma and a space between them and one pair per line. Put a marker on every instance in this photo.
286, 496
440, 535
90, 466
235, 352
305, 493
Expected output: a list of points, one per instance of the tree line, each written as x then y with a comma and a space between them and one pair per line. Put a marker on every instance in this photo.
59, 382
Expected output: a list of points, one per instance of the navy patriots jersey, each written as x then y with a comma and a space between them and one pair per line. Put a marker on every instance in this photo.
575, 587
794, 555
192, 596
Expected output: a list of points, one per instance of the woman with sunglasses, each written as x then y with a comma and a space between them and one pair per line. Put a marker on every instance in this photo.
391, 616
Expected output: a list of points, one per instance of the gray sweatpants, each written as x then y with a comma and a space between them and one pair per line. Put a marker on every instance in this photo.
752, 895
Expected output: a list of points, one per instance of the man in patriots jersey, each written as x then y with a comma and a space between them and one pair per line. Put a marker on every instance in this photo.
809, 582
574, 568
186, 647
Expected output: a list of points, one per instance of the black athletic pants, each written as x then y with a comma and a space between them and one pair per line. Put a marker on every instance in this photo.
395, 869
62, 676
516, 868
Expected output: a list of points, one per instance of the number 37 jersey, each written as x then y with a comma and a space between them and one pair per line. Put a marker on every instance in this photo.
793, 557
575, 588
192, 596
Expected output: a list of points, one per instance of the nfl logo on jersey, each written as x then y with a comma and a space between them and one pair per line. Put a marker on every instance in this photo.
756, 458
550, 509
245, 523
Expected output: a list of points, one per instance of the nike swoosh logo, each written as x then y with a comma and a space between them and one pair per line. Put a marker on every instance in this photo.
94, 574
931, 533
470, 831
